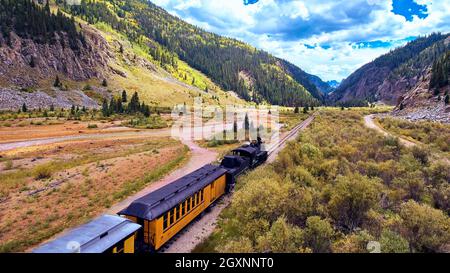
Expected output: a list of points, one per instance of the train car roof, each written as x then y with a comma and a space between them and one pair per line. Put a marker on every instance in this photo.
155, 204
96, 236
247, 149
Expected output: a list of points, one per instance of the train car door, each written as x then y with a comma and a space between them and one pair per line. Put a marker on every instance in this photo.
213, 191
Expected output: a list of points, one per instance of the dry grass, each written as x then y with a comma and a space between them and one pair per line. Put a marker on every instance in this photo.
92, 181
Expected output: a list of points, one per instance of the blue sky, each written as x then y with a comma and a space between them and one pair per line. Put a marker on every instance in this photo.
329, 38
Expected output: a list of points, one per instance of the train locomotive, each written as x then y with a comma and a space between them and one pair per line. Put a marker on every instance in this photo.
149, 222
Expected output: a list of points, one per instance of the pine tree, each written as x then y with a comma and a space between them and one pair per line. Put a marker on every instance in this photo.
112, 106
57, 82
134, 104
24, 108
124, 96
296, 110
105, 108
446, 100
32, 62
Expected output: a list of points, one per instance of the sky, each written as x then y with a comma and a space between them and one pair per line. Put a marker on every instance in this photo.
328, 38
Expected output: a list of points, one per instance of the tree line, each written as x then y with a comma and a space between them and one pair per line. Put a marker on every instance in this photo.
30, 20
119, 105
440, 72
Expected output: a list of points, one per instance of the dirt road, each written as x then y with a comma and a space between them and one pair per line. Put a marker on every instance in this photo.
203, 227
368, 121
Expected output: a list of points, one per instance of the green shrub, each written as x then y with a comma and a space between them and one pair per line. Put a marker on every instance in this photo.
92, 126
42, 172
9, 164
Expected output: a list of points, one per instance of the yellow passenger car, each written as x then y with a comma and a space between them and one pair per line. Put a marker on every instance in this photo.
166, 211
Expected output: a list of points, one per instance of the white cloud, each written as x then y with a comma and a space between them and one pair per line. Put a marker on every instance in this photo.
282, 27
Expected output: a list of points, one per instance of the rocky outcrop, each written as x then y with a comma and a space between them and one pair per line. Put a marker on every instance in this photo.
420, 103
13, 99
25, 63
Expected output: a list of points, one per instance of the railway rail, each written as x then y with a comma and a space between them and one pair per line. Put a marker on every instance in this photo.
204, 225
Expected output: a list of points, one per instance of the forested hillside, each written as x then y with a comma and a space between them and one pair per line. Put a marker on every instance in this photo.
440, 72
32, 21
388, 77
222, 59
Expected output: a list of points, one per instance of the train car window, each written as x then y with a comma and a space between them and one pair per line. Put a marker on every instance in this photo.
120, 247
183, 208
165, 221
201, 195
172, 215
192, 203
189, 204
179, 212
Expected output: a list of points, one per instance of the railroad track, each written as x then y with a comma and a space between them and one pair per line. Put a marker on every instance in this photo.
205, 221
292, 134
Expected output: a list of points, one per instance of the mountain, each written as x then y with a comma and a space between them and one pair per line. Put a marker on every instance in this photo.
135, 46
389, 77
324, 87
333, 84
42, 43
429, 99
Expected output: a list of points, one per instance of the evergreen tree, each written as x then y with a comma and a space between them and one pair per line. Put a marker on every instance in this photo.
32, 62
24, 108
124, 96
105, 108
57, 82
105, 83
134, 105
112, 106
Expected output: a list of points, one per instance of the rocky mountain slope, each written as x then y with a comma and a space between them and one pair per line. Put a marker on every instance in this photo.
390, 76
49, 59
99, 48
429, 98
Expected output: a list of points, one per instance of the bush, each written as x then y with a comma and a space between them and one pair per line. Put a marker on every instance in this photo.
426, 228
42, 172
92, 126
420, 154
8, 164
318, 234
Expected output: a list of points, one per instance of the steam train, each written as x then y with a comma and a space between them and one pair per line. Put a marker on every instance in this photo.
149, 222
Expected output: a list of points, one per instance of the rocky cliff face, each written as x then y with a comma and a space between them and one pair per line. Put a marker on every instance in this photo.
25, 64
389, 77
421, 103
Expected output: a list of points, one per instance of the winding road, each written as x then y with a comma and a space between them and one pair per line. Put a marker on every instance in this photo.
369, 123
